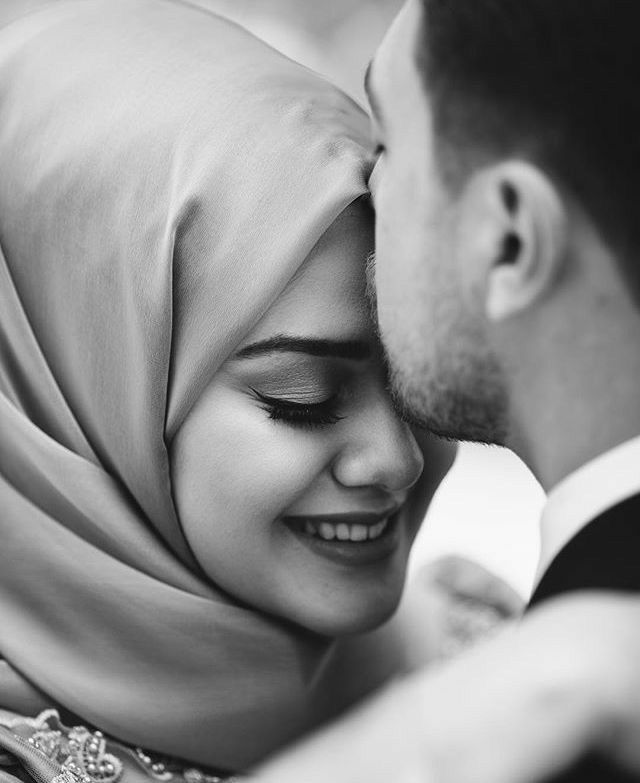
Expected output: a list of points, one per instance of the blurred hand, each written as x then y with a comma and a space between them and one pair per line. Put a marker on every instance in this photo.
515, 709
452, 603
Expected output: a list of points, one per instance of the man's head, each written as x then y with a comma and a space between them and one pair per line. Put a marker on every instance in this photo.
509, 141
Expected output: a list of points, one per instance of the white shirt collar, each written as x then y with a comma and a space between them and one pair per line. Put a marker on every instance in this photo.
585, 494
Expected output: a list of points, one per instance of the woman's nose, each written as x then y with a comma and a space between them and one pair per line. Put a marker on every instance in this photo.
381, 451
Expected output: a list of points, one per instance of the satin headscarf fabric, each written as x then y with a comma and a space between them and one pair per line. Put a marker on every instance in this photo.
163, 175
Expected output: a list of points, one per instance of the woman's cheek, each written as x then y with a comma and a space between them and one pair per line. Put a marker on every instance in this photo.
288, 466
279, 463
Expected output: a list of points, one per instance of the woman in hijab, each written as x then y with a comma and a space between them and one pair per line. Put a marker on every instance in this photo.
202, 480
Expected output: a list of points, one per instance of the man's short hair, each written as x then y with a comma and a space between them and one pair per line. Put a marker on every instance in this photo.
557, 81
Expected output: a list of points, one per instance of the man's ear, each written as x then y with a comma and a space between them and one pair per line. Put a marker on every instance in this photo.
521, 232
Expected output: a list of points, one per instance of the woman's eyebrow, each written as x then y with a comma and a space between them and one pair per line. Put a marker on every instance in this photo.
315, 346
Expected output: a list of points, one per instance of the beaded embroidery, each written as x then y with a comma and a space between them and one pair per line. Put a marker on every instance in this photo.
163, 769
83, 756
81, 753
156, 768
66, 776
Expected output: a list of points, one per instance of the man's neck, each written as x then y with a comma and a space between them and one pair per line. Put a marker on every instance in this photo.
564, 418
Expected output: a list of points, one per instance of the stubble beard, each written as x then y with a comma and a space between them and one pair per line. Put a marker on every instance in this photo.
460, 394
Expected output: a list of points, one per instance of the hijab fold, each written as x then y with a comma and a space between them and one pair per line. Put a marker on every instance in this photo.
163, 175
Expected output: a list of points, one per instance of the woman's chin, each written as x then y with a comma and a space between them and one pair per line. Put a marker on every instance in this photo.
330, 590
348, 617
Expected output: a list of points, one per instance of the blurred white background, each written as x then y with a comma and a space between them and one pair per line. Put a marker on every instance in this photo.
488, 507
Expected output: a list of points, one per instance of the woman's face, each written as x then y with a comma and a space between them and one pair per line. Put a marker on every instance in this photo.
291, 472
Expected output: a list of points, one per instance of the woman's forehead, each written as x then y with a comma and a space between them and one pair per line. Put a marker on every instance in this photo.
327, 296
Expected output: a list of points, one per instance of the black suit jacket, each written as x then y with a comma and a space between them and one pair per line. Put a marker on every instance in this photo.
604, 555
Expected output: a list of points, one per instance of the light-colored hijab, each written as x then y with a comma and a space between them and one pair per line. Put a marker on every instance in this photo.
163, 175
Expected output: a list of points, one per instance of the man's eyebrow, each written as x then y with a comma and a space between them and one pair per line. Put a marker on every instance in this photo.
315, 346
368, 88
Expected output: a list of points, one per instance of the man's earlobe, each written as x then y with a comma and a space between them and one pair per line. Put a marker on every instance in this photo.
531, 250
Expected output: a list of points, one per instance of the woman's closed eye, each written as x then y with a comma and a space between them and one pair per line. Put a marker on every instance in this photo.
300, 413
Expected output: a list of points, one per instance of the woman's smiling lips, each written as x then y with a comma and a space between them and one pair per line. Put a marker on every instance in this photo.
350, 538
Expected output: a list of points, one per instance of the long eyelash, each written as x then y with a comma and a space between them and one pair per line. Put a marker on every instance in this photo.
298, 414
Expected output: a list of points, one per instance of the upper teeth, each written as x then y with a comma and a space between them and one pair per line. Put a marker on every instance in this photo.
345, 532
